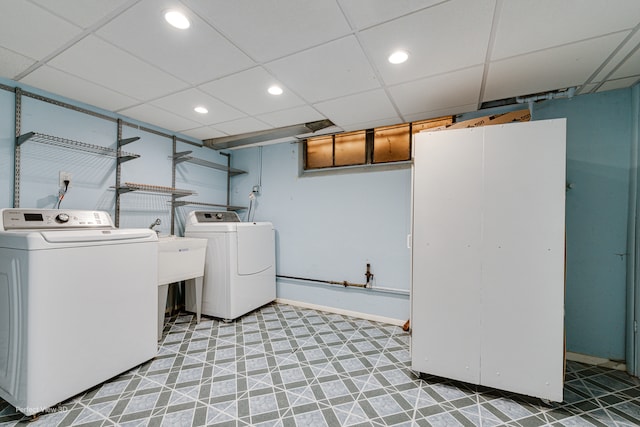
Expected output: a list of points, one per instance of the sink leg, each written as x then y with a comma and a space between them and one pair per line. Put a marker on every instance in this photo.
162, 306
196, 286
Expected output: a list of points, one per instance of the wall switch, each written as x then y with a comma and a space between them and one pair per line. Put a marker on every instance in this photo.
64, 176
256, 189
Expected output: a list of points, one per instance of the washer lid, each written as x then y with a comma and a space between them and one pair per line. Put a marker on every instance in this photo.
32, 240
77, 236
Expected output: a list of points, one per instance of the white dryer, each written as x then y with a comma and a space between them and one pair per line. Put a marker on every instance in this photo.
239, 272
78, 303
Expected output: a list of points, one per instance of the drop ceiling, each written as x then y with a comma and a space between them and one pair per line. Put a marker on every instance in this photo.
329, 56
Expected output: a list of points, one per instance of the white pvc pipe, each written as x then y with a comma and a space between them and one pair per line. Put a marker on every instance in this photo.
547, 96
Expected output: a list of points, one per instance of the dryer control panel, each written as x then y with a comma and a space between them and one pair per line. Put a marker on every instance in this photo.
39, 219
203, 216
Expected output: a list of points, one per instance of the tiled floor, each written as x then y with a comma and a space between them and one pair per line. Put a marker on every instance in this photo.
287, 366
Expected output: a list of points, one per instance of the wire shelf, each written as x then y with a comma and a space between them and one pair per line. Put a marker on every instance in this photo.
131, 186
75, 145
185, 157
178, 203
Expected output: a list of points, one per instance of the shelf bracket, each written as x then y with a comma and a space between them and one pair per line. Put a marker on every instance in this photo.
126, 158
25, 137
182, 159
126, 141
181, 154
122, 190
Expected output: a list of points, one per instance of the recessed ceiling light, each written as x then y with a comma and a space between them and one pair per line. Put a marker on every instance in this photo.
201, 110
275, 90
398, 57
177, 19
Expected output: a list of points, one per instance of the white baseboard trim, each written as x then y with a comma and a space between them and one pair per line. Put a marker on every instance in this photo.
597, 361
365, 316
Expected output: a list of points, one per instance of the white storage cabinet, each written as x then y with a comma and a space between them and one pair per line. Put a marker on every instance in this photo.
488, 243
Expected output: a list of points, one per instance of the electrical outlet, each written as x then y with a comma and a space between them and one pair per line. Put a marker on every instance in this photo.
64, 176
256, 189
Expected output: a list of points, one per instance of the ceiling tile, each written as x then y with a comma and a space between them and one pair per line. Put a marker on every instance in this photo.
12, 64
330, 56
437, 93
196, 55
114, 68
292, 116
588, 88
629, 51
558, 68
619, 83
183, 103
630, 67
443, 38
247, 91
244, 125
534, 25
329, 71
269, 29
359, 108
159, 117
31, 31
370, 124
204, 132
84, 13
365, 13
441, 112
76, 88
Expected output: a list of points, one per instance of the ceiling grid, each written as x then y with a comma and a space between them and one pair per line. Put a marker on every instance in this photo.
328, 56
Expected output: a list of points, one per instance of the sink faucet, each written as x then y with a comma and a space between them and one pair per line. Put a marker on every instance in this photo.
156, 222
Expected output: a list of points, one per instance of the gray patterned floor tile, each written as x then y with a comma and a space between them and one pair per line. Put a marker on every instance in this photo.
287, 366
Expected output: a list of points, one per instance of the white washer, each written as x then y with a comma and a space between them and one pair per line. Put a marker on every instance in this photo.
78, 303
239, 271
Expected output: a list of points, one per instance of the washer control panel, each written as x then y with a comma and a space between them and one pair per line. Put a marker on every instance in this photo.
32, 219
204, 216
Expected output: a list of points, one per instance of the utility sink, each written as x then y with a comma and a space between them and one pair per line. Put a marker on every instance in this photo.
179, 258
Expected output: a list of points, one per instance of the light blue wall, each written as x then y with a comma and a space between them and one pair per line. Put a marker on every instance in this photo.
40, 164
209, 184
329, 227
598, 162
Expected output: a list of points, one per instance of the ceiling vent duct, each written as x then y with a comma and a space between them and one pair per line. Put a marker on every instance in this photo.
266, 136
